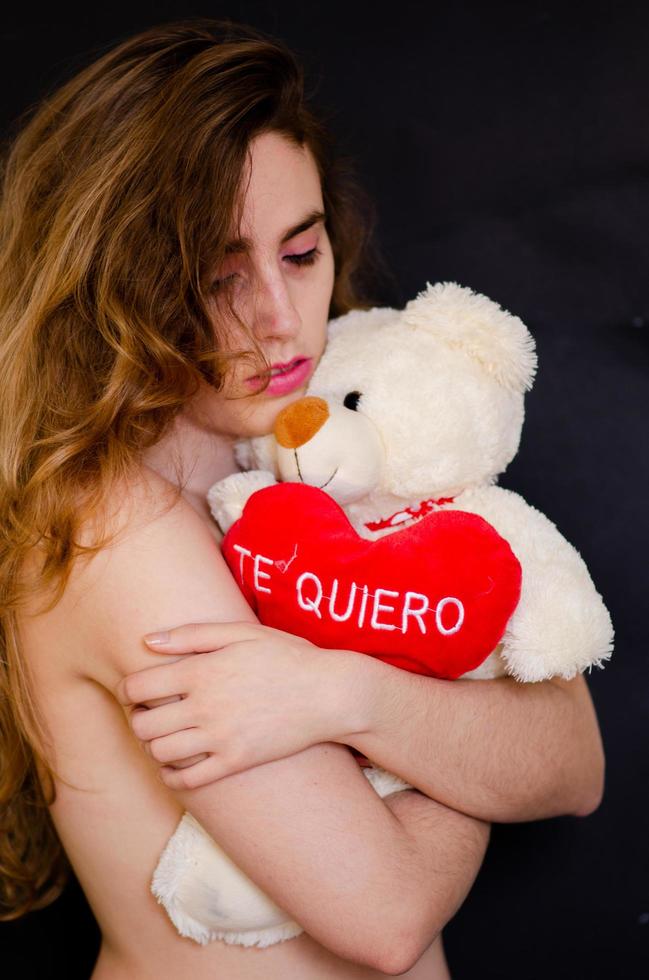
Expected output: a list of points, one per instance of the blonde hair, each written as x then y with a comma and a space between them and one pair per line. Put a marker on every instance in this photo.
118, 196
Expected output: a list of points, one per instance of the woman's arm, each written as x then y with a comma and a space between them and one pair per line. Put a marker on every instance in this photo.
497, 749
372, 885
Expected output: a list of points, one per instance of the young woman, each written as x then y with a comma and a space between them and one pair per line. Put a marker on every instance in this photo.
175, 237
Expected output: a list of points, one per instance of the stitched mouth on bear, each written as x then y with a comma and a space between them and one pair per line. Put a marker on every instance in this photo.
329, 480
299, 471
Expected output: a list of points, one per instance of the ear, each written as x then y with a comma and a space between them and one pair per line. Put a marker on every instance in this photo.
468, 321
259, 453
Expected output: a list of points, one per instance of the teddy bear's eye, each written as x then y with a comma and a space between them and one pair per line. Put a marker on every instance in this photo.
352, 399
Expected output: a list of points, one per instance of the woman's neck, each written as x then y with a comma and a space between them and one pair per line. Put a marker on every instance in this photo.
194, 457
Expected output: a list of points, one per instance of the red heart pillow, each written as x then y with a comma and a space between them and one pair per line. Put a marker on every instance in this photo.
433, 598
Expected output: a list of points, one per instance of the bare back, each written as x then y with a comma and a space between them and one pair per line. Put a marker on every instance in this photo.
114, 815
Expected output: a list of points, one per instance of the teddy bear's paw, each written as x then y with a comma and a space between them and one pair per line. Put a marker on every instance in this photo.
228, 497
570, 632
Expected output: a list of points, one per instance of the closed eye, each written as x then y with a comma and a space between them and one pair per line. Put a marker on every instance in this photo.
304, 258
219, 283
298, 258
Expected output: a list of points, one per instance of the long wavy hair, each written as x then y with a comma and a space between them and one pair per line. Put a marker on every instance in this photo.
118, 195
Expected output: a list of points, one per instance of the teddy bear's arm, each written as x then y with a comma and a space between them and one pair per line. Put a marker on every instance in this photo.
561, 625
228, 497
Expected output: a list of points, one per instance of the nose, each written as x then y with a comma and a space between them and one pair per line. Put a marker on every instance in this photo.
299, 421
275, 314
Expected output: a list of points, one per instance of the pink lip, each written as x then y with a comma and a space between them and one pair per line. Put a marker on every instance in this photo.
294, 375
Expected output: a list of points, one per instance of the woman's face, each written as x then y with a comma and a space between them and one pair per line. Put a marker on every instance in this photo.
281, 273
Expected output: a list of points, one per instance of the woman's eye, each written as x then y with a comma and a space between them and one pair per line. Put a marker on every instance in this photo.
298, 258
351, 400
304, 258
219, 283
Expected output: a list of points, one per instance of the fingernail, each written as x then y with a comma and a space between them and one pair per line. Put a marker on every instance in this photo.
157, 639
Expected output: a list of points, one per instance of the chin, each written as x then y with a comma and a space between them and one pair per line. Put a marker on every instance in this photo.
262, 421
252, 417
258, 423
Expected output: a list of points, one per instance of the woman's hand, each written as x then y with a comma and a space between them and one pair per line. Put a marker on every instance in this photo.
252, 694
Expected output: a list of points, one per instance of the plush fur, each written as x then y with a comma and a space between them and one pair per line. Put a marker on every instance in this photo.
438, 415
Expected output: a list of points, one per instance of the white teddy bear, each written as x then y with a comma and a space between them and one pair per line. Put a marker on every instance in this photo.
409, 414
419, 410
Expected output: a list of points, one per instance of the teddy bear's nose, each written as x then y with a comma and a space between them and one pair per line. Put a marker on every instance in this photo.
299, 422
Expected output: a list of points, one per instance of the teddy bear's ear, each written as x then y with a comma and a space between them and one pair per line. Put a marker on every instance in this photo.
468, 321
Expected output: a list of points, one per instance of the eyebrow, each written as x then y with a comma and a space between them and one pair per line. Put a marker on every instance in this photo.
244, 244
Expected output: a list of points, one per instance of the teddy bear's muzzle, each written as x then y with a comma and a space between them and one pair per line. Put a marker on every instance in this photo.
327, 445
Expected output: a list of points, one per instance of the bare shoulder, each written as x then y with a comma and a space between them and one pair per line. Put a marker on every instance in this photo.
161, 567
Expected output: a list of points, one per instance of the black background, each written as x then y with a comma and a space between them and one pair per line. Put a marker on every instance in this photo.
507, 148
